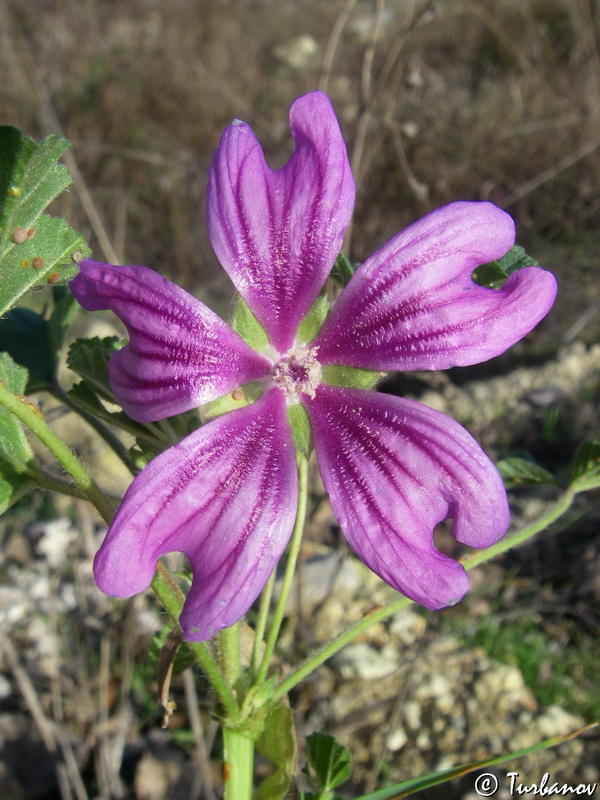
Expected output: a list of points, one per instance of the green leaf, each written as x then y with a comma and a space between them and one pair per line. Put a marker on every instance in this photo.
25, 335
16, 456
406, 788
586, 469
277, 743
342, 270
249, 328
320, 796
522, 472
35, 248
89, 359
35, 342
495, 273
328, 760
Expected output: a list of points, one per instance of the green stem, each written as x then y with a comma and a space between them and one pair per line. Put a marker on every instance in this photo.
238, 750
261, 622
331, 648
51, 484
163, 584
238, 768
379, 614
172, 599
109, 437
30, 415
229, 653
289, 569
481, 556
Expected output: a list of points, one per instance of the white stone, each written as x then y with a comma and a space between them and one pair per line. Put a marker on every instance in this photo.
298, 53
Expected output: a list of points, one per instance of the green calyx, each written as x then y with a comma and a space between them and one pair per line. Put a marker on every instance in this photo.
350, 377
248, 327
252, 332
313, 321
239, 398
301, 430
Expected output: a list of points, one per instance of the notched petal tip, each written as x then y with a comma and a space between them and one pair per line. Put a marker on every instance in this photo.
394, 469
414, 305
180, 353
277, 232
226, 497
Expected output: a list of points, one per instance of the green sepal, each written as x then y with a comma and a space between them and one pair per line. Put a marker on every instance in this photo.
518, 472
342, 270
351, 377
586, 469
313, 321
16, 456
240, 398
277, 743
248, 327
139, 457
495, 274
301, 430
35, 248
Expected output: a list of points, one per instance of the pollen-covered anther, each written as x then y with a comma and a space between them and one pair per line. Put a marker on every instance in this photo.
298, 372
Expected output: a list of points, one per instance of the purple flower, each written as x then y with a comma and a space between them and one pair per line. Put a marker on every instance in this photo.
226, 495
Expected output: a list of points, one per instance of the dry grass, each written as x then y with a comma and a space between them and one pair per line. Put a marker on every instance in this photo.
471, 99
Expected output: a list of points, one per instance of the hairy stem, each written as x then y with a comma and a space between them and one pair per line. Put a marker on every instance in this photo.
289, 569
172, 599
238, 767
163, 584
261, 622
109, 437
30, 415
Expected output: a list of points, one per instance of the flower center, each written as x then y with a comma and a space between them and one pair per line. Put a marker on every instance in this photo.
298, 372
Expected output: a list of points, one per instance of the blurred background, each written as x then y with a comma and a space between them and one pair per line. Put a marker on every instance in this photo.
459, 99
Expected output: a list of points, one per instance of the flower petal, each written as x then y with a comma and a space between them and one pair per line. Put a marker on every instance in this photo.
413, 305
226, 496
180, 354
278, 233
393, 469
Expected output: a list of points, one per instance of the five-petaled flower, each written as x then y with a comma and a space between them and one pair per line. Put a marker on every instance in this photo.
226, 495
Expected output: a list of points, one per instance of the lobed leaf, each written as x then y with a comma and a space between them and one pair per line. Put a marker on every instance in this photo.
495, 273
89, 359
328, 760
35, 342
16, 455
35, 248
277, 743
